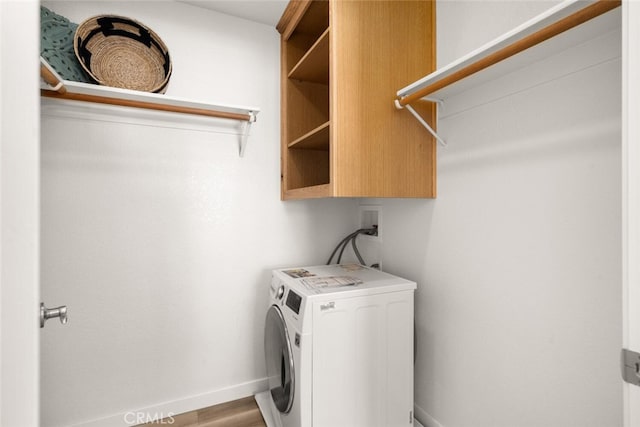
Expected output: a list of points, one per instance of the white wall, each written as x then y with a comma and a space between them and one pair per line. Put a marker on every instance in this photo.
160, 239
482, 21
518, 307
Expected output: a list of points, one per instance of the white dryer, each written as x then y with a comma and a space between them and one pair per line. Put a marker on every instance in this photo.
339, 347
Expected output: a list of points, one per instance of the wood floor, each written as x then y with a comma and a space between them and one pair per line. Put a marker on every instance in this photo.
238, 413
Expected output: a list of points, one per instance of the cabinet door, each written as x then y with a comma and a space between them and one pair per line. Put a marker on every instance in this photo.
377, 48
363, 361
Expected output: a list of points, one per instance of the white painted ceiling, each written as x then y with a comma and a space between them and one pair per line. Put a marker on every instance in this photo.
264, 11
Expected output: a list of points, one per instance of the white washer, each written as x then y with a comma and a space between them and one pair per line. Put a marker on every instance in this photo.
339, 347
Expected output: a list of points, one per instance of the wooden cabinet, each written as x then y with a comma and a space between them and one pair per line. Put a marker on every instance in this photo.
341, 64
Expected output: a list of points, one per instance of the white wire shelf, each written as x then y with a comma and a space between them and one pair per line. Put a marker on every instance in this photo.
545, 35
57, 88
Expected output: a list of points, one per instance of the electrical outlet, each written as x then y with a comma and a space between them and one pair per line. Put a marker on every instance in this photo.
371, 216
371, 246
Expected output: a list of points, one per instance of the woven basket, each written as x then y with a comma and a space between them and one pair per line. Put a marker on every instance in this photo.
121, 52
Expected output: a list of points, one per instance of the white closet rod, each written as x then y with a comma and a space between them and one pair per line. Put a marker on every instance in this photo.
561, 18
579, 17
76, 91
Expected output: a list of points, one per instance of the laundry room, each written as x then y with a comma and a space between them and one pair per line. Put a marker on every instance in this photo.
160, 231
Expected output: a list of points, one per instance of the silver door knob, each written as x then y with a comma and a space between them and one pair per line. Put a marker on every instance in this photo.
49, 313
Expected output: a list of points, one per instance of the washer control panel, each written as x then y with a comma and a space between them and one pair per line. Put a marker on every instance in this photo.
293, 301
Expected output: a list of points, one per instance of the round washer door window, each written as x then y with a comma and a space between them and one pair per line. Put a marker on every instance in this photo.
279, 360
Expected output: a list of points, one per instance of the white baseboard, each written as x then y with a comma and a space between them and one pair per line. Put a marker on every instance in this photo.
424, 418
179, 406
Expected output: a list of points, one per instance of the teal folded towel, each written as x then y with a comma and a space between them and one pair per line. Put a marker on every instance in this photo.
56, 46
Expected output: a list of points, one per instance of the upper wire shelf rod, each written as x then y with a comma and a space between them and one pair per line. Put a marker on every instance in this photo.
543, 27
76, 91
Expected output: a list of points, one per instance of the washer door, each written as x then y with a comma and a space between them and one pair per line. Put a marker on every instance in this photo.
279, 360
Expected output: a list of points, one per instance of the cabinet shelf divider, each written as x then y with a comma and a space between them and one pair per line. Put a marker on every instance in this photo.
314, 65
316, 139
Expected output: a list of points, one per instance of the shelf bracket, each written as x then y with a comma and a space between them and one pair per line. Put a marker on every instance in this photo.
244, 135
422, 121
